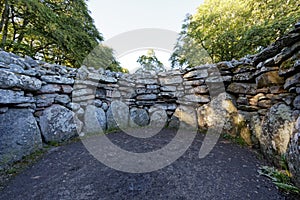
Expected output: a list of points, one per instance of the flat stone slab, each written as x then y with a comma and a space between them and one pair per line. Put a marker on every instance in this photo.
70, 172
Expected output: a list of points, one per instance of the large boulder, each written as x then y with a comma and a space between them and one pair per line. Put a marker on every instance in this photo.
158, 118
186, 116
277, 130
218, 110
117, 116
138, 117
59, 124
293, 156
19, 135
94, 120
221, 114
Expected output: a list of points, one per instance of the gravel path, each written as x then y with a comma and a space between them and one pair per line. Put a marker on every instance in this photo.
70, 172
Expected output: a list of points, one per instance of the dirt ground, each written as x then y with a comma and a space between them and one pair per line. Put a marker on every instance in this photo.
71, 172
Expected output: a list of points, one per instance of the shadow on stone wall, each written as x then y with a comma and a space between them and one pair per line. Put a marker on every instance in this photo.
44, 103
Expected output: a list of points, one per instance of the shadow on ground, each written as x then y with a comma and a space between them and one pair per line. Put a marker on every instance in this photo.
70, 172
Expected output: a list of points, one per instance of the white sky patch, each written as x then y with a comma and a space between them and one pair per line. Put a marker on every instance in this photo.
129, 60
114, 17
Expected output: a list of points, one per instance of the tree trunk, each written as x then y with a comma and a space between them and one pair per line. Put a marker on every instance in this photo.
22, 33
13, 22
5, 14
5, 20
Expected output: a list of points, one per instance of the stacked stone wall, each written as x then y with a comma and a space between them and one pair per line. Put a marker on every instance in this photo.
259, 96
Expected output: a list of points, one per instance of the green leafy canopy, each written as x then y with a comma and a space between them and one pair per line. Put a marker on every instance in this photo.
231, 29
59, 31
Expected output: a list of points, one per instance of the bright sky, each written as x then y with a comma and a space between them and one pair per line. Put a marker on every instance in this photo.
115, 17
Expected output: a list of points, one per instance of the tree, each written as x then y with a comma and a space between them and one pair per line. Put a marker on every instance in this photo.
229, 29
103, 57
150, 62
187, 52
60, 31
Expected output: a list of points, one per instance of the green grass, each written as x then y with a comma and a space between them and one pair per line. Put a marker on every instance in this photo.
54, 144
19, 166
281, 178
26, 160
238, 140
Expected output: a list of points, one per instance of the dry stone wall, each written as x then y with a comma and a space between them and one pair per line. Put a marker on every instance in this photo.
44, 103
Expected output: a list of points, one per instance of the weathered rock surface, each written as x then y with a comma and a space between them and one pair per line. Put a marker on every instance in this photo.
94, 120
57, 79
173, 80
14, 97
296, 103
193, 98
147, 97
8, 79
187, 117
277, 130
62, 99
269, 79
221, 114
117, 116
292, 81
45, 100
138, 117
50, 88
242, 88
19, 135
293, 154
30, 83
265, 91
158, 118
58, 124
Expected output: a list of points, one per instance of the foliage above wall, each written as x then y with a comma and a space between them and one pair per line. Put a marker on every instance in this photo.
150, 62
229, 29
57, 31
103, 57
187, 51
